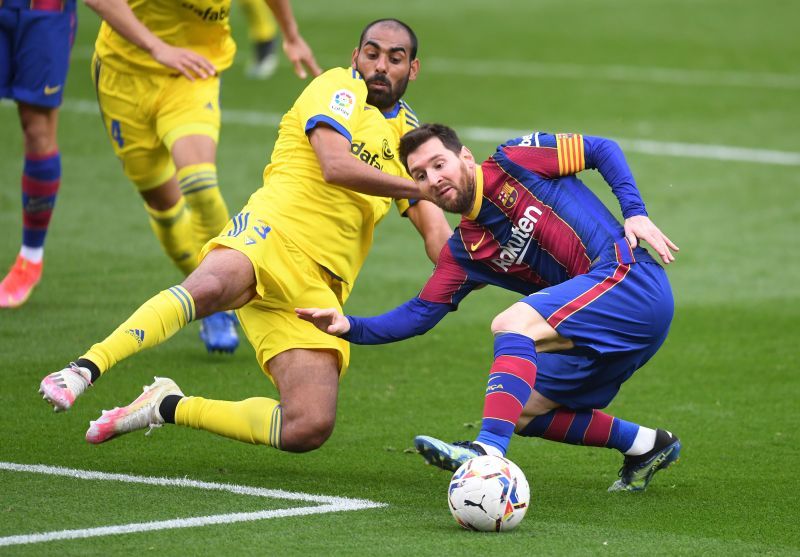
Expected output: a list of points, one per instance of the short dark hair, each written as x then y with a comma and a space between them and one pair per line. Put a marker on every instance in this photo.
411, 141
411, 35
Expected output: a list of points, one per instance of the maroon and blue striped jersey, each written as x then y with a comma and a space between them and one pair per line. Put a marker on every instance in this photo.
534, 223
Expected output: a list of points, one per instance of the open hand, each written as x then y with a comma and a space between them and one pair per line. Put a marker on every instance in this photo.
328, 320
301, 57
641, 227
186, 61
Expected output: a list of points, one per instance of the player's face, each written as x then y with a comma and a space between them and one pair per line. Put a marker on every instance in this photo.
384, 60
446, 178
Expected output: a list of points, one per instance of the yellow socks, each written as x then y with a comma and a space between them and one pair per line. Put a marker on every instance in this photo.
173, 228
155, 321
254, 420
208, 212
199, 216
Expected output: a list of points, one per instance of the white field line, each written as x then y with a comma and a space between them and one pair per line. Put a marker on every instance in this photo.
659, 148
326, 504
634, 74
520, 69
255, 118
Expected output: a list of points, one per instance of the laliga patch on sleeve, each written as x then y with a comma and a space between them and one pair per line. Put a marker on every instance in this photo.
343, 102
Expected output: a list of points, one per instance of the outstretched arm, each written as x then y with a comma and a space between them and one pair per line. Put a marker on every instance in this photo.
294, 46
327, 320
118, 14
448, 285
415, 317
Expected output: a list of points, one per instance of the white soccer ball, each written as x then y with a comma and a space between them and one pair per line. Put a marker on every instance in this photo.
489, 494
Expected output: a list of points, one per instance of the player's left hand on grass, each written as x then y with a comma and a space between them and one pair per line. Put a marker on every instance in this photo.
301, 57
641, 227
327, 320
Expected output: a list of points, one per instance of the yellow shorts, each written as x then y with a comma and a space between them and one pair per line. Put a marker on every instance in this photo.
145, 113
286, 279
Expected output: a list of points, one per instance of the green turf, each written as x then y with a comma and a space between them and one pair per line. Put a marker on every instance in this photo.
726, 380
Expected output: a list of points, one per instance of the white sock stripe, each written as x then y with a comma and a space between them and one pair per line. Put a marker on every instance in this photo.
34, 255
645, 441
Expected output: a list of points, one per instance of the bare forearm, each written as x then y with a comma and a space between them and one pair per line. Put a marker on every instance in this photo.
118, 14
339, 167
282, 10
432, 225
351, 173
433, 246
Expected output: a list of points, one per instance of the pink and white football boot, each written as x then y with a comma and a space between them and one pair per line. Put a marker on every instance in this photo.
139, 414
61, 388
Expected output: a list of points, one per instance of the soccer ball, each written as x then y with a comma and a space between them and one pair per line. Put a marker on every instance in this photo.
489, 494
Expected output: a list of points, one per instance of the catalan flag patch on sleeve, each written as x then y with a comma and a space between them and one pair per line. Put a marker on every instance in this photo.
570, 153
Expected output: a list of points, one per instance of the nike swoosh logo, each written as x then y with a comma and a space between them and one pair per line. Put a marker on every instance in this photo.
51, 90
474, 246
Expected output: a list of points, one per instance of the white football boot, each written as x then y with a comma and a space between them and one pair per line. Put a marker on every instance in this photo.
139, 414
61, 388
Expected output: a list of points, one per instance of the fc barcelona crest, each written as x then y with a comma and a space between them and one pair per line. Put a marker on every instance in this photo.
508, 196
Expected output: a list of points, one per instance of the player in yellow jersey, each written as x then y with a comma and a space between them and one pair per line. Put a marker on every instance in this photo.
262, 32
156, 70
299, 242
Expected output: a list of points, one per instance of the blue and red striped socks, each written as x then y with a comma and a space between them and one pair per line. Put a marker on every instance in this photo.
511, 380
593, 428
41, 178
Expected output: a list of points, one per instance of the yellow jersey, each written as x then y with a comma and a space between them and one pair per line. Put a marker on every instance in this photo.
403, 119
332, 224
199, 25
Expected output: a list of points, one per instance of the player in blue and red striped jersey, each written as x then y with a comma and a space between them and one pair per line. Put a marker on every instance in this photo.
597, 305
36, 37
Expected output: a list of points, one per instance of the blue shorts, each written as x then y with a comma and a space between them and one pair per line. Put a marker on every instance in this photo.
35, 45
617, 316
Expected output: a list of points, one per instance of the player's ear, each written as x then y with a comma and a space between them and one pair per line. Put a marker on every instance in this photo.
414, 70
466, 154
354, 58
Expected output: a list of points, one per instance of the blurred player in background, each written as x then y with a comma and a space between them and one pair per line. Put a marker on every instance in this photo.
156, 70
262, 32
36, 39
300, 240
597, 306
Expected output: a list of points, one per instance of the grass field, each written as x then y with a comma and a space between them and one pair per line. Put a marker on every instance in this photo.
703, 96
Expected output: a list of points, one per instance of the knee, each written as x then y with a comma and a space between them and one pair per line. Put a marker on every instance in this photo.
224, 280
307, 434
507, 322
524, 320
39, 138
206, 289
